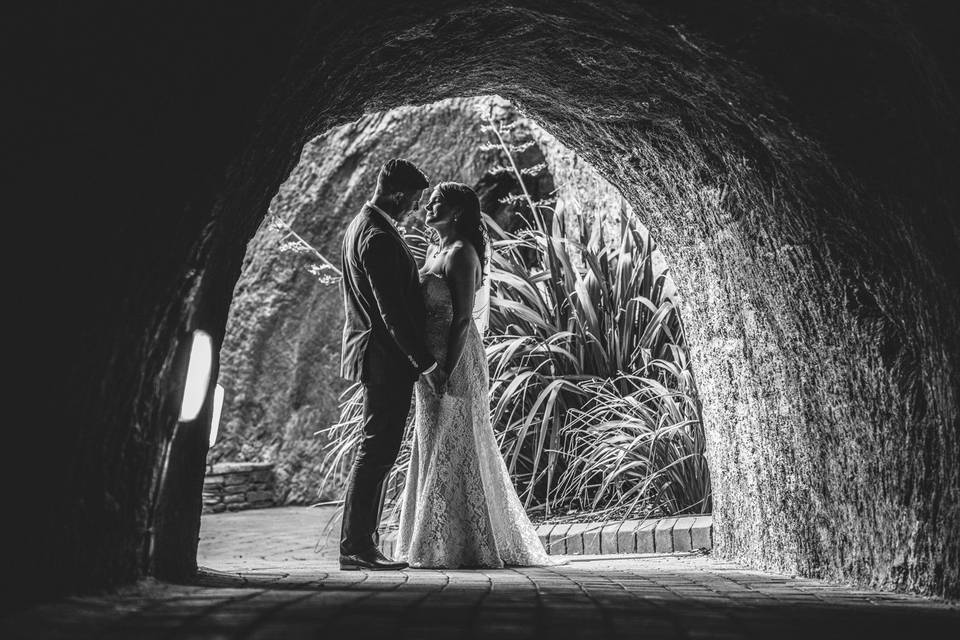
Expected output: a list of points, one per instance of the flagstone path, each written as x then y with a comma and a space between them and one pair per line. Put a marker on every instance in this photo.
263, 579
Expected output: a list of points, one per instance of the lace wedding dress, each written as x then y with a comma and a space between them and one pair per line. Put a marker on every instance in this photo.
459, 507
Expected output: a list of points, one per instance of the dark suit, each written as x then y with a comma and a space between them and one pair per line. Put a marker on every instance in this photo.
384, 347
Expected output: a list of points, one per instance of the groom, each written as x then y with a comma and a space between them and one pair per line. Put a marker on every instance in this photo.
384, 347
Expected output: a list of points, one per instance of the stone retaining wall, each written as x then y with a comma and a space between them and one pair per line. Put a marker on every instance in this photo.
234, 486
664, 535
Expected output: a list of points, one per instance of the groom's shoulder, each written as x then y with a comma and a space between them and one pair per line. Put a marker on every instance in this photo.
367, 229
361, 221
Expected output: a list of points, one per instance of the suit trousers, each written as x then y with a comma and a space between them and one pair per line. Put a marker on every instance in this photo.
385, 409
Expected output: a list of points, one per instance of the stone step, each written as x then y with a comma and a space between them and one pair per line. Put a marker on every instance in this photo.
663, 535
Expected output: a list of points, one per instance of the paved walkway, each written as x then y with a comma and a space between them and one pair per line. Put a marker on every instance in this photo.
263, 580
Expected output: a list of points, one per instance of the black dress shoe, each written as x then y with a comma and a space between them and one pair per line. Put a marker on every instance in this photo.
371, 560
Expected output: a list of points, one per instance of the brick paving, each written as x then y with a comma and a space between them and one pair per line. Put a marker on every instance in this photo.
262, 579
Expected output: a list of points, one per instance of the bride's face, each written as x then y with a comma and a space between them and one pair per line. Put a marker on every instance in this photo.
439, 214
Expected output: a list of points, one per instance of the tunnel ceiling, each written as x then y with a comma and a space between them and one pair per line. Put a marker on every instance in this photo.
794, 160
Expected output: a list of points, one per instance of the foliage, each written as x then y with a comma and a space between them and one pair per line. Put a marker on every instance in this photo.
581, 358
291, 242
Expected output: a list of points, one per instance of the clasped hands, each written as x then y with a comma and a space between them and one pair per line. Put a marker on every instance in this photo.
437, 380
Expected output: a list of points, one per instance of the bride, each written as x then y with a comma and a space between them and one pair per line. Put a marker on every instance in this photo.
459, 507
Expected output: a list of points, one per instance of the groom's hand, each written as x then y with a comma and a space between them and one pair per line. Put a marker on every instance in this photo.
436, 380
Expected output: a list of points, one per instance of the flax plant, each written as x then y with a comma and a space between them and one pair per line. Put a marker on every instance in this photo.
573, 350
592, 392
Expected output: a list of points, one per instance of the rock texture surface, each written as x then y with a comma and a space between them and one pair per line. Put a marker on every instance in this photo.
798, 160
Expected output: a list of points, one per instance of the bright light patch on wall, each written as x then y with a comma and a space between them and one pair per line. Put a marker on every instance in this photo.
217, 408
198, 376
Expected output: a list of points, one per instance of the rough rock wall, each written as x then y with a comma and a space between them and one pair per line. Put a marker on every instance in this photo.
826, 133
582, 191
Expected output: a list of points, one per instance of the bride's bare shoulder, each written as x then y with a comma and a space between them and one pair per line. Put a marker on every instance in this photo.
462, 264
462, 252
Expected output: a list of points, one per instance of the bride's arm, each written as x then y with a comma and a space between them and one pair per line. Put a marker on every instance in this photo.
461, 271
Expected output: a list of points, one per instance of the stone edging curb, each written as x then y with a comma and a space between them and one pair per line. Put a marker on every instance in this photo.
235, 486
665, 535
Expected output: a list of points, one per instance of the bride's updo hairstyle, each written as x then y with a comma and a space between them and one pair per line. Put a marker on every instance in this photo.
469, 221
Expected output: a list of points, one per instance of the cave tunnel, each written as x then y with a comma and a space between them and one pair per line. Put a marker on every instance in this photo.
798, 161
280, 355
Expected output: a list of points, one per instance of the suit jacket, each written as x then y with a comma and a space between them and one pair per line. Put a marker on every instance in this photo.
384, 330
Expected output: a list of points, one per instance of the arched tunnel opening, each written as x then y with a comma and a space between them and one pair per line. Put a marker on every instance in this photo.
617, 341
794, 161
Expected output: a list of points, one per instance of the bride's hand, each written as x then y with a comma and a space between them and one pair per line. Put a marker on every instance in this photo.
437, 380
443, 384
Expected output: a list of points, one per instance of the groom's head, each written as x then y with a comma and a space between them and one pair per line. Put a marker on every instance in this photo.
399, 187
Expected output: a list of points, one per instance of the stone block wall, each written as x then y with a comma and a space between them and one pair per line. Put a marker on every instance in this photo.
234, 486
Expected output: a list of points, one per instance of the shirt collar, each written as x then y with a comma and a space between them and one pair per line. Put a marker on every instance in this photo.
393, 223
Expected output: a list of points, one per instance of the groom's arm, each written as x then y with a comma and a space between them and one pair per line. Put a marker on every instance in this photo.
384, 261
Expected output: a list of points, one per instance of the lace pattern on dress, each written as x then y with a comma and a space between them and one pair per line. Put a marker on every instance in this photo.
459, 507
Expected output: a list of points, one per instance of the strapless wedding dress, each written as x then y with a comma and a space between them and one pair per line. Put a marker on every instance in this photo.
459, 508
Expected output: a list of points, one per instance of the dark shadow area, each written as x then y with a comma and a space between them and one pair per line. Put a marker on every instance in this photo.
797, 160
677, 602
